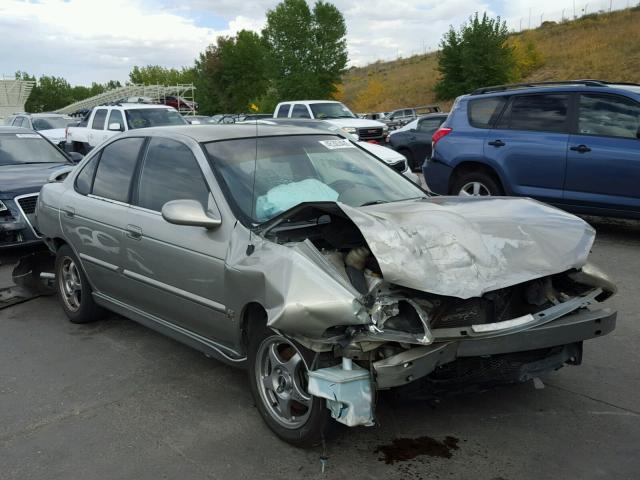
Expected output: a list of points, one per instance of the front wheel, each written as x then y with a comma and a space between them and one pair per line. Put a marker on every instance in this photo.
278, 375
476, 184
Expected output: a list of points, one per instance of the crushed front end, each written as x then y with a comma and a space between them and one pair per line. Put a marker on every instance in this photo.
414, 316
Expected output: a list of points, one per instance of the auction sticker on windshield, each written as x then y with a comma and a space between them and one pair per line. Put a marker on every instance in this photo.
336, 144
27, 135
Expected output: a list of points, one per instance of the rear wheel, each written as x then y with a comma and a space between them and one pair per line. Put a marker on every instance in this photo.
73, 288
278, 375
476, 184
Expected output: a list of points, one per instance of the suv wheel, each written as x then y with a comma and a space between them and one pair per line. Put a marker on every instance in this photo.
476, 184
73, 288
410, 159
278, 378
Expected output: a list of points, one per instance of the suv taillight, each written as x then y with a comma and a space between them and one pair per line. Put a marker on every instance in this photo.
439, 134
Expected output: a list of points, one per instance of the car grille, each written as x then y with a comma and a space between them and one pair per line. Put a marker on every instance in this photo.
27, 205
400, 166
369, 133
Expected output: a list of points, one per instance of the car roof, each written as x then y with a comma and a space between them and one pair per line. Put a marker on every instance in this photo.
310, 102
593, 86
215, 132
135, 106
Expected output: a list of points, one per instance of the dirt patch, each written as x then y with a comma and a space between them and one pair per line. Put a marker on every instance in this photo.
403, 449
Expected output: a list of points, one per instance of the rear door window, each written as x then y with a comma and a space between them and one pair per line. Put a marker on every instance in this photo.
540, 113
300, 111
98, 119
115, 169
170, 172
283, 111
483, 112
116, 117
608, 116
430, 125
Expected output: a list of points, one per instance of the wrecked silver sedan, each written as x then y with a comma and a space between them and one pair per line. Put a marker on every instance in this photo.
322, 270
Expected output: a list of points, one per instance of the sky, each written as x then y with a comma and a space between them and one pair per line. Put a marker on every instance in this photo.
97, 40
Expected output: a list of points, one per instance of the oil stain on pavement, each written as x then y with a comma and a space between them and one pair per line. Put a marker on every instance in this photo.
403, 449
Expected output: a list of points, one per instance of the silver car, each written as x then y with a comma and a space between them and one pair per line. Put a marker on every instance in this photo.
328, 275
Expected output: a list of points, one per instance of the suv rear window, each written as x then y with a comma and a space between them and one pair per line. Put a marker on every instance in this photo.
483, 112
540, 113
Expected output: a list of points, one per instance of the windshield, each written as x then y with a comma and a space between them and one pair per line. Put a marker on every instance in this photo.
20, 148
330, 110
290, 170
49, 123
153, 117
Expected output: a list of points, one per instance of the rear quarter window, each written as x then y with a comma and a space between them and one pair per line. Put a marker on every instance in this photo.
483, 112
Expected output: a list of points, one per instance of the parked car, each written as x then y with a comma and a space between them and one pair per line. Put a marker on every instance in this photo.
106, 121
180, 103
197, 119
399, 118
27, 161
335, 113
294, 253
50, 125
572, 144
395, 160
414, 139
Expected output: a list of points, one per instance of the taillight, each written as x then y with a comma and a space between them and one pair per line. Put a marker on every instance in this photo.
439, 134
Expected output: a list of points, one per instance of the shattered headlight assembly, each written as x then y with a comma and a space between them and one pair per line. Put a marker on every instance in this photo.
592, 276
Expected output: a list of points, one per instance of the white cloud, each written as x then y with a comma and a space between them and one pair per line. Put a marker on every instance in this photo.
97, 40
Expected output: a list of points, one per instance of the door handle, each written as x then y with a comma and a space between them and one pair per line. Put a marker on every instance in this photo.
580, 148
69, 211
134, 232
497, 143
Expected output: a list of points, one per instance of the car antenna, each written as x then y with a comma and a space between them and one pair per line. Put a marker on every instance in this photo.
251, 247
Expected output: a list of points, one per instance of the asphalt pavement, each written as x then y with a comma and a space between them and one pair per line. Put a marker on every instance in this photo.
114, 400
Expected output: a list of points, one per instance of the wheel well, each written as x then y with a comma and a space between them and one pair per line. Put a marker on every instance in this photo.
467, 167
253, 315
57, 243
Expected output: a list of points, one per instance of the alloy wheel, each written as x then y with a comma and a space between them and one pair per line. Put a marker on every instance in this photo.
70, 284
281, 376
474, 189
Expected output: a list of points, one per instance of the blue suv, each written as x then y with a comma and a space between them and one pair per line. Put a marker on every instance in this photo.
573, 144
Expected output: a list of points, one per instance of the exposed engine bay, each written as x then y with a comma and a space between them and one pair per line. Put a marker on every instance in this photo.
404, 333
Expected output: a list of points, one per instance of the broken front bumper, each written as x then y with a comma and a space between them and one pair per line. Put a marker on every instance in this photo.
418, 362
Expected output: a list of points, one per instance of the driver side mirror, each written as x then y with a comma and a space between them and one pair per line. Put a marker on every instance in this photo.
116, 127
190, 212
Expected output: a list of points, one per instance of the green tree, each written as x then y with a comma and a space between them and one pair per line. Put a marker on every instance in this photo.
206, 70
307, 48
158, 75
476, 56
242, 76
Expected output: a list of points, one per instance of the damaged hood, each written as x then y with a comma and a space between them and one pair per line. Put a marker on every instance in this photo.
465, 247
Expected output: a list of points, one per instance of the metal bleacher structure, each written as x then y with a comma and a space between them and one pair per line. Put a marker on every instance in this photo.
13, 95
155, 93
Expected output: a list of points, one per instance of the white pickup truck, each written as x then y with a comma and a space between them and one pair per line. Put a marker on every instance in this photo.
335, 113
106, 121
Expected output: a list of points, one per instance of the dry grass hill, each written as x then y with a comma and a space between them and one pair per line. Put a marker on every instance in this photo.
603, 46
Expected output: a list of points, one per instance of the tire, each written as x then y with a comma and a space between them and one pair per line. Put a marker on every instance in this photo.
477, 184
73, 289
302, 424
